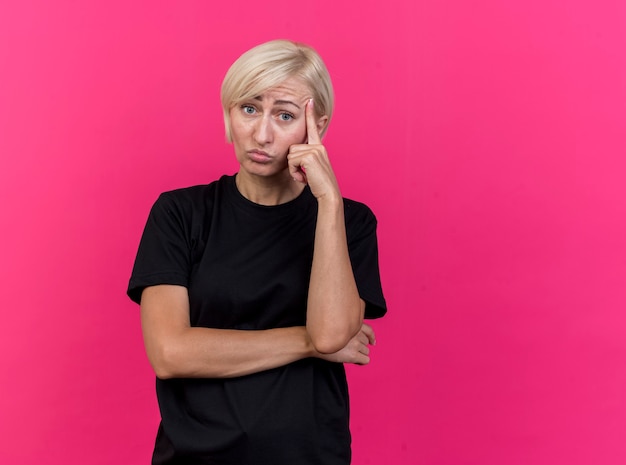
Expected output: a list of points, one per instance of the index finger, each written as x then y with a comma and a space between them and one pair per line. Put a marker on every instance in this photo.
313, 136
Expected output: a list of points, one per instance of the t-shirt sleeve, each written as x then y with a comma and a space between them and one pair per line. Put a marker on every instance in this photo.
363, 249
163, 255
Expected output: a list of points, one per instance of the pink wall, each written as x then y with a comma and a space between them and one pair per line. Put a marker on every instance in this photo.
489, 138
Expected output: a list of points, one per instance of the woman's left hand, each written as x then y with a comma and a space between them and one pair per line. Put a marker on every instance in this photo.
357, 350
309, 163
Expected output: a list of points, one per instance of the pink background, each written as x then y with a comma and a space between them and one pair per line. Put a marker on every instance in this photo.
488, 136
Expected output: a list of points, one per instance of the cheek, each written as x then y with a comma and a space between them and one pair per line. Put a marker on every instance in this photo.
237, 128
296, 134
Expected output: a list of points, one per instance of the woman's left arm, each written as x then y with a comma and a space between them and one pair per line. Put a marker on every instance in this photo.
334, 309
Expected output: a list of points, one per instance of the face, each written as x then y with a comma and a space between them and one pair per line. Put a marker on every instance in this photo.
263, 128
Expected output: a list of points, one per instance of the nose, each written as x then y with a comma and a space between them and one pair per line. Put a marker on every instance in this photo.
263, 131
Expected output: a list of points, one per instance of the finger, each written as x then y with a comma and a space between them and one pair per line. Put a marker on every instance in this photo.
297, 173
362, 338
296, 170
369, 332
313, 136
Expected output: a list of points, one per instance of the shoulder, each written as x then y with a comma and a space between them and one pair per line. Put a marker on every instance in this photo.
360, 220
358, 213
188, 194
191, 199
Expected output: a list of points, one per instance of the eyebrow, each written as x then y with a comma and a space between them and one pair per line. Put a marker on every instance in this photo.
280, 102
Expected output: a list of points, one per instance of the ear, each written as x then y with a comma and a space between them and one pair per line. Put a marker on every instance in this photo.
321, 124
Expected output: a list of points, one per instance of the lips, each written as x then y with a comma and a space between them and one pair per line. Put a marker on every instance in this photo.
259, 156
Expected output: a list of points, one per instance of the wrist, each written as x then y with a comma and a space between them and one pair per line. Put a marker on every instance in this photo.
330, 203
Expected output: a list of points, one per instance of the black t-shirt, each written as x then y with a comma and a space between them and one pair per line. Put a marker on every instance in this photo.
247, 266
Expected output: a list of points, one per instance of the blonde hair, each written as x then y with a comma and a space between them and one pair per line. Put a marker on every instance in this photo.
268, 65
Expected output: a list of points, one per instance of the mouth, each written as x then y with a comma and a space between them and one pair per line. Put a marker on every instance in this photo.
259, 156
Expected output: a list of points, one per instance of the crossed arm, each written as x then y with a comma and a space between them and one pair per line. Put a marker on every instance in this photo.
176, 349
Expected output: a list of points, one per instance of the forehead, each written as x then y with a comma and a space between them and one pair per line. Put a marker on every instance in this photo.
294, 89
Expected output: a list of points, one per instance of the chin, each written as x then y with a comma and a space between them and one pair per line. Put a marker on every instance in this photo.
267, 169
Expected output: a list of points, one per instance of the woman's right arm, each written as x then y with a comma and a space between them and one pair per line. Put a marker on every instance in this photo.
178, 350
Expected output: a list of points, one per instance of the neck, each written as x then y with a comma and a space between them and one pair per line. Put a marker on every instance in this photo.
268, 191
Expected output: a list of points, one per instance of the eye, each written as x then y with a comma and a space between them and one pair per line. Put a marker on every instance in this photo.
285, 116
248, 109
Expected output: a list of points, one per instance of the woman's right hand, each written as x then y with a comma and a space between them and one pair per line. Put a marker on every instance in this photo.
356, 350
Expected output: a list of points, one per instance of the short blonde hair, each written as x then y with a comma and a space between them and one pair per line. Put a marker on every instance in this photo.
268, 65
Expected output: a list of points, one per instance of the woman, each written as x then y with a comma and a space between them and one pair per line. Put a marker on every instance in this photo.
253, 288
